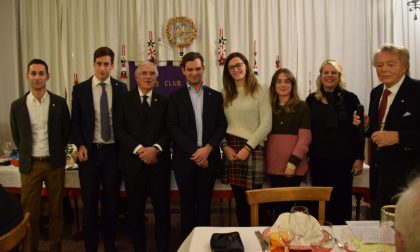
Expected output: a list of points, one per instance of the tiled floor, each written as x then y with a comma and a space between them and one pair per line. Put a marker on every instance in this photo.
220, 217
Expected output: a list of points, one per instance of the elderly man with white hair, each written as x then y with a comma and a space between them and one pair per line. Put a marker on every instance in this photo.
407, 219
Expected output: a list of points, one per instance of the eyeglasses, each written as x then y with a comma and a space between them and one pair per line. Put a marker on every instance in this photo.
236, 66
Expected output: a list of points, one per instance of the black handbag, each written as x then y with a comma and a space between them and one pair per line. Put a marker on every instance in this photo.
226, 242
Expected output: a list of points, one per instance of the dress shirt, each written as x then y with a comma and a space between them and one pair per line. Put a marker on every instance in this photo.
197, 102
97, 92
149, 100
394, 90
38, 114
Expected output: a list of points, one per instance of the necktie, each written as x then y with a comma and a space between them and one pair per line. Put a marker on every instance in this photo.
145, 105
382, 106
104, 111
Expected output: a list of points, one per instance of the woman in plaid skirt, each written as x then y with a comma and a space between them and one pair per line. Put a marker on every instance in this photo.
248, 113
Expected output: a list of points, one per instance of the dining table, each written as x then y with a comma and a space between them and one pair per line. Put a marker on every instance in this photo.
199, 239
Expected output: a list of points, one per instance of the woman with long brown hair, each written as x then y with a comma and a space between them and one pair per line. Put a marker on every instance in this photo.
248, 113
288, 142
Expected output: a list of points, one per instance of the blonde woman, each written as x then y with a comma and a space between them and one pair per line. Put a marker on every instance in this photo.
336, 151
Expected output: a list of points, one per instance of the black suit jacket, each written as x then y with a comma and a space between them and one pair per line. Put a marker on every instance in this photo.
83, 110
58, 131
392, 165
181, 125
133, 127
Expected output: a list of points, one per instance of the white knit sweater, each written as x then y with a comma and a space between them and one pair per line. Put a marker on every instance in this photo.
249, 117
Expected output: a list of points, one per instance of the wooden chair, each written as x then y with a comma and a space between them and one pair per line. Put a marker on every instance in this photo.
279, 194
21, 234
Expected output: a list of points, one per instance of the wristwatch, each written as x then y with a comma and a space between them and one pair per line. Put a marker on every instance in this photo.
181, 31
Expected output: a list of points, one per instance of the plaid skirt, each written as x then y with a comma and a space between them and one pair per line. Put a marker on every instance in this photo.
249, 173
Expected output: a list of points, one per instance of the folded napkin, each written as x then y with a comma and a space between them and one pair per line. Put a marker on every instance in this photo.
226, 242
312, 230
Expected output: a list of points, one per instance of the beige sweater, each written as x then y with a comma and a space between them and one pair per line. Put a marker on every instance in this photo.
249, 117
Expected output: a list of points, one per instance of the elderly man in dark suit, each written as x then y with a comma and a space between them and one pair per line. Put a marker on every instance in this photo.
197, 125
92, 127
394, 126
40, 124
140, 127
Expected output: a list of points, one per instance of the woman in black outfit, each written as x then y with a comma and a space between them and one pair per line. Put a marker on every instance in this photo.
337, 150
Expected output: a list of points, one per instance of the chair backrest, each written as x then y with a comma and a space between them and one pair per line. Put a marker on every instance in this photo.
21, 234
279, 194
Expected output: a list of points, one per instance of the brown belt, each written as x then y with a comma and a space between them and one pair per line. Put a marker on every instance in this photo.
41, 159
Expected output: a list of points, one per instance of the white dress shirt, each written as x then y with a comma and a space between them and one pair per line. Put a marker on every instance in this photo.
197, 100
97, 92
38, 114
394, 90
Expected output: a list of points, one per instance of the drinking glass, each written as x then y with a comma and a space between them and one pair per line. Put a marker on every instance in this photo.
6, 149
352, 242
387, 233
280, 238
324, 241
299, 221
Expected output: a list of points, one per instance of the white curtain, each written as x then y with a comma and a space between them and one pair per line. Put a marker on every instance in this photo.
303, 33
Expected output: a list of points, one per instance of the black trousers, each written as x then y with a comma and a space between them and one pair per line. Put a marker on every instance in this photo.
195, 186
335, 173
155, 180
243, 212
100, 169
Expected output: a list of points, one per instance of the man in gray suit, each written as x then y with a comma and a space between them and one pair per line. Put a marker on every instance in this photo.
40, 124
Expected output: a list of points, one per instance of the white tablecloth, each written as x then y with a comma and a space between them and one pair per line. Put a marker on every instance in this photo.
199, 238
363, 179
9, 177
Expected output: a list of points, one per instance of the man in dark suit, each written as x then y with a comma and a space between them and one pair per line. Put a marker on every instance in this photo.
140, 128
40, 124
197, 125
394, 126
92, 128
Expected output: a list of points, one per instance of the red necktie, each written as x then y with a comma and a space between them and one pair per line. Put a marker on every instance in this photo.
382, 106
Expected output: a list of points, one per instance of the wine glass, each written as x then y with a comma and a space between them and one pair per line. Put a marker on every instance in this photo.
324, 240
282, 237
352, 241
299, 221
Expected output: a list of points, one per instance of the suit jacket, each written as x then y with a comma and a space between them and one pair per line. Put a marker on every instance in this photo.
83, 110
182, 128
396, 162
133, 127
58, 131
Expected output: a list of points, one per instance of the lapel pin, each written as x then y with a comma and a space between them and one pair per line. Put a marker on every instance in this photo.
402, 101
53, 104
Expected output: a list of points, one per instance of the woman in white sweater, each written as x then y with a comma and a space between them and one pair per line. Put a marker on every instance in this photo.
248, 113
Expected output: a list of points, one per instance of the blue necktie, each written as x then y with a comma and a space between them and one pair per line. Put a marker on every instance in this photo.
105, 126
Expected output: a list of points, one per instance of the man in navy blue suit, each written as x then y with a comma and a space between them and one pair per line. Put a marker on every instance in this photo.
394, 126
92, 126
197, 124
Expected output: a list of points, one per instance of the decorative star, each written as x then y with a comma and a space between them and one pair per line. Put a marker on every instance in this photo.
151, 43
